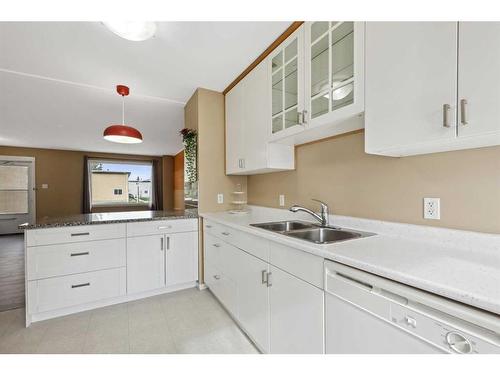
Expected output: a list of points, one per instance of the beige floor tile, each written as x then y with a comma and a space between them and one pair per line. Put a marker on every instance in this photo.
187, 321
152, 340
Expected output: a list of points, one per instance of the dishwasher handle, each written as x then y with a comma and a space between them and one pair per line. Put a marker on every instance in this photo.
350, 280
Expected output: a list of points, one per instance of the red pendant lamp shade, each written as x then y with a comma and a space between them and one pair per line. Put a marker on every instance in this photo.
122, 133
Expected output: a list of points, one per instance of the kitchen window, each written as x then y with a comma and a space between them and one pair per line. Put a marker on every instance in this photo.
120, 183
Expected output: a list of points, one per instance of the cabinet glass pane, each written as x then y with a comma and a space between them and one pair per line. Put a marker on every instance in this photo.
277, 62
318, 29
291, 51
342, 53
319, 105
319, 66
291, 85
13, 202
343, 96
277, 124
291, 117
277, 95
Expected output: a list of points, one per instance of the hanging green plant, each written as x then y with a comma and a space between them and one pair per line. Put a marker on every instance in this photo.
190, 140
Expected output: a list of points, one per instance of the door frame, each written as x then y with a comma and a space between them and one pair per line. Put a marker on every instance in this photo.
32, 201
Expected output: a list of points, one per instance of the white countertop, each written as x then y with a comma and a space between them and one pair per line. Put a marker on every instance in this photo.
460, 265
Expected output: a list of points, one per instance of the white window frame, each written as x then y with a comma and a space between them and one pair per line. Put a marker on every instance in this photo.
91, 161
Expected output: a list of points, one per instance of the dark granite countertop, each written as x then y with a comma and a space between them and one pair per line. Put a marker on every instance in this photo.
111, 218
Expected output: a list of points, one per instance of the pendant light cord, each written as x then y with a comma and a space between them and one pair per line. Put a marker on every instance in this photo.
123, 110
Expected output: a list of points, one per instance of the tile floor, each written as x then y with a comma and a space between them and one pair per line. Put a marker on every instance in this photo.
188, 321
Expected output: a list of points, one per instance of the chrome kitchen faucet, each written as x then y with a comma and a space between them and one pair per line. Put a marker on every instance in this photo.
323, 218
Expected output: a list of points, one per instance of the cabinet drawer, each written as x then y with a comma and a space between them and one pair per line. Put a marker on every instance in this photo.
81, 233
65, 259
145, 228
60, 292
305, 266
254, 245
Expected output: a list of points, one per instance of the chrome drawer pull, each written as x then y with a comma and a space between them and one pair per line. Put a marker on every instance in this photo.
264, 277
463, 111
446, 115
80, 234
165, 227
80, 285
217, 277
79, 254
216, 245
226, 233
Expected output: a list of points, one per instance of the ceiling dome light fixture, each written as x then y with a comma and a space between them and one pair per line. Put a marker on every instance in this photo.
132, 30
122, 133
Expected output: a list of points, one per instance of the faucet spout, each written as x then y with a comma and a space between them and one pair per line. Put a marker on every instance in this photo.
323, 218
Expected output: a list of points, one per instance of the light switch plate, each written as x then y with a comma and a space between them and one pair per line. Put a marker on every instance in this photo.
432, 208
282, 200
220, 198
45, 186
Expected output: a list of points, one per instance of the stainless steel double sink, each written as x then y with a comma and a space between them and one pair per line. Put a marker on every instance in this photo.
311, 232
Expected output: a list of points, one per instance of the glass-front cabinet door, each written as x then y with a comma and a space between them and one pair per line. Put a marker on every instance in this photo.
287, 81
334, 70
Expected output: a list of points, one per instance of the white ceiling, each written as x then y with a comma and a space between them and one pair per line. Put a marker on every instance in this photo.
57, 79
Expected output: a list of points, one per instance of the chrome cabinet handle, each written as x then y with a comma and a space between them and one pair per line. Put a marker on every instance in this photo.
226, 233
80, 234
463, 112
79, 254
168, 243
264, 277
216, 245
446, 115
165, 227
79, 285
161, 243
269, 280
217, 277
304, 117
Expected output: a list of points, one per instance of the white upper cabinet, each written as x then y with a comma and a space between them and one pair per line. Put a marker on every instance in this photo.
334, 60
247, 132
286, 68
479, 82
413, 73
303, 91
317, 79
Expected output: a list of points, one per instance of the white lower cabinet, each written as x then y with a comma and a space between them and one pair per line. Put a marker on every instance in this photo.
72, 269
297, 313
278, 309
145, 263
157, 261
61, 292
181, 258
253, 298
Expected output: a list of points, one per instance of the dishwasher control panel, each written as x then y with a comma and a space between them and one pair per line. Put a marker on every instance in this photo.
435, 332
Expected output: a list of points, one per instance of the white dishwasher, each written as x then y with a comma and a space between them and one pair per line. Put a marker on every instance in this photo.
368, 314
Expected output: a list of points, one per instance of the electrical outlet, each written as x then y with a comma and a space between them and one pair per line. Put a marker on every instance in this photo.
220, 198
432, 208
282, 200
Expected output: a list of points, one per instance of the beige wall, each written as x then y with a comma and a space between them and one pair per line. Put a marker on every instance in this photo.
357, 184
63, 172
211, 157
104, 185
